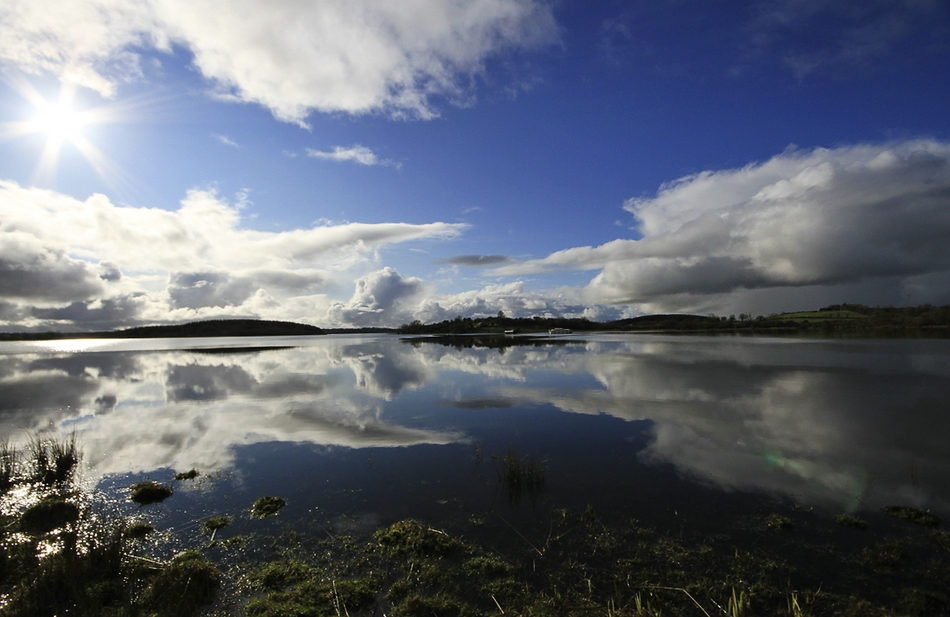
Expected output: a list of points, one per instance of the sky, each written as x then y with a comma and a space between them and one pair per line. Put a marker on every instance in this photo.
369, 163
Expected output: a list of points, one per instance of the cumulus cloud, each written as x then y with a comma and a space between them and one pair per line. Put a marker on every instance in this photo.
29, 270
381, 298
353, 56
866, 215
355, 154
89, 260
198, 289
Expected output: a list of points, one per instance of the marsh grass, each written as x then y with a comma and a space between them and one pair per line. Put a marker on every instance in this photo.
579, 563
520, 475
187, 475
53, 461
9, 459
138, 530
851, 522
148, 492
61, 554
778, 522
267, 506
53, 512
913, 515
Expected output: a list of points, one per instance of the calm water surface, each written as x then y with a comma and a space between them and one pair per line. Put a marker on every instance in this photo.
360, 431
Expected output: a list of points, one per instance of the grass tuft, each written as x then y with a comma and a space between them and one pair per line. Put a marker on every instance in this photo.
779, 523
50, 513
851, 522
913, 515
267, 506
54, 461
144, 493
216, 523
520, 475
187, 475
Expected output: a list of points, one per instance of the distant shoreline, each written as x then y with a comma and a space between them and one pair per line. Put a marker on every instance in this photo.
842, 319
194, 329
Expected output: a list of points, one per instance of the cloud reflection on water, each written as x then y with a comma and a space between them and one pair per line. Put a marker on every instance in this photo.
846, 422
838, 422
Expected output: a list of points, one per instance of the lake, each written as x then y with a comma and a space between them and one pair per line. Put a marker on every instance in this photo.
696, 435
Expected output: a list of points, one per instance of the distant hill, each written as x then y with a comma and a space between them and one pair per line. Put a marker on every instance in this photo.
208, 328
223, 327
843, 319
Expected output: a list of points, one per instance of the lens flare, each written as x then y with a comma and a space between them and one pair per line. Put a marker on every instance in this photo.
61, 123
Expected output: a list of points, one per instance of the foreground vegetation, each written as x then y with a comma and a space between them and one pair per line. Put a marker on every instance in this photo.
62, 555
585, 566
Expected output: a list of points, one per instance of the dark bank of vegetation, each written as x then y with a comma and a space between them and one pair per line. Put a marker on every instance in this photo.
195, 329
838, 318
580, 564
62, 555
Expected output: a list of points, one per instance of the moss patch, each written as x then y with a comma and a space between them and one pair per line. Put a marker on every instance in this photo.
913, 515
851, 522
144, 493
410, 537
184, 586
267, 506
216, 523
138, 530
48, 514
187, 475
779, 523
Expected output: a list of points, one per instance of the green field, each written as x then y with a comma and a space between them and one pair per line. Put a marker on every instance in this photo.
820, 315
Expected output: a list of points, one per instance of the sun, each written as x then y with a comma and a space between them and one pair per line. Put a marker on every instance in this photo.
59, 121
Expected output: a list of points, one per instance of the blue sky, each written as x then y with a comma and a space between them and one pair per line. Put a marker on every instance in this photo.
371, 162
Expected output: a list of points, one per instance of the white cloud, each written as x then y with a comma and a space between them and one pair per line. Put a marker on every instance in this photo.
352, 56
85, 261
876, 217
356, 154
381, 298
227, 141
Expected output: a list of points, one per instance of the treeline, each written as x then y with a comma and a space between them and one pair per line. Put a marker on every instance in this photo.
500, 324
208, 328
838, 317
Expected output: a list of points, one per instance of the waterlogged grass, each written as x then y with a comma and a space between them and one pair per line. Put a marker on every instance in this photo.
60, 554
48, 514
53, 461
913, 515
520, 475
148, 492
187, 475
779, 523
216, 523
585, 566
851, 522
267, 506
